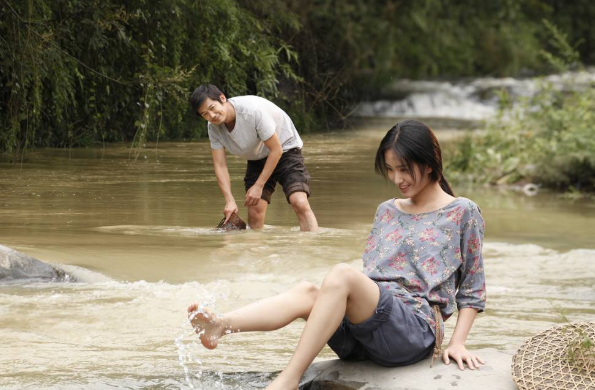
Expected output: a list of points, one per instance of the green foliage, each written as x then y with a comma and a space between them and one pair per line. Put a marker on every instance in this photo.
580, 351
351, 49
547, 139
78, 72
567, 56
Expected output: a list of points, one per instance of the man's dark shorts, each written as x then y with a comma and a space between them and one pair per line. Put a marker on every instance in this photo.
290, 172
393, 336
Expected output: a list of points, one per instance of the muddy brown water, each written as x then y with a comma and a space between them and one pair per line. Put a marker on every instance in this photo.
139, 237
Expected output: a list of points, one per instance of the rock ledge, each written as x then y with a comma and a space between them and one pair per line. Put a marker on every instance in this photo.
340, 375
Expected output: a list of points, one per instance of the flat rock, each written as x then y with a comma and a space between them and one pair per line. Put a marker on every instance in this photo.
342, 375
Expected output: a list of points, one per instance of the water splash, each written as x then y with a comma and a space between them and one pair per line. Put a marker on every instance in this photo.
196, 374
186, 357
197, 377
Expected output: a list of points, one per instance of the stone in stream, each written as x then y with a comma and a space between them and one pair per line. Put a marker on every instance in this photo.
234, 223
341, 375
16, 266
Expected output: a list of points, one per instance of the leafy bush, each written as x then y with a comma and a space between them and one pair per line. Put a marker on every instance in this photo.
547, 139
75, 72
78, 72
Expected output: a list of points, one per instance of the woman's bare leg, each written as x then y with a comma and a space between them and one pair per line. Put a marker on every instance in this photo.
344, 291
267, 314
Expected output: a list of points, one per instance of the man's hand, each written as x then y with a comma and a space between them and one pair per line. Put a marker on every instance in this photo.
230, 208
253, 195
460, 354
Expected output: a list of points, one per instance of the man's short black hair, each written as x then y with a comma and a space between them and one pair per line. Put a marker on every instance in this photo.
202, 93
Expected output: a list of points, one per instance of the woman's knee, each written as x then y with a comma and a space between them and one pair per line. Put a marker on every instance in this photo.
307, 293
338, 277
307, 290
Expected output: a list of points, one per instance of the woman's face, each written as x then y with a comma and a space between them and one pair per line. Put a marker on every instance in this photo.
398, 174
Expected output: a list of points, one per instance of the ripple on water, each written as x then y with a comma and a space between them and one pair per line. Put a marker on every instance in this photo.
530, 289
183, 231
162, 230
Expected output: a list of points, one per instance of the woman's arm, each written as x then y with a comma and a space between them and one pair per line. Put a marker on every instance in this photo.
471, 294
456, 347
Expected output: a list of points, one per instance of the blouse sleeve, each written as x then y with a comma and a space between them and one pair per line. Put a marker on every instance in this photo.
472, 289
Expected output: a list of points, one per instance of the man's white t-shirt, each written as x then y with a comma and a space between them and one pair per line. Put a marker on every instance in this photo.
257, 119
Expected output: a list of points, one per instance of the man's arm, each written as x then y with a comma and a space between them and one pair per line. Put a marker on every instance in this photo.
255, 192
456, 347
220, 165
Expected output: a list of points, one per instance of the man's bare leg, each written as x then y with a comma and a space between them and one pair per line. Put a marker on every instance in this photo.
268, 314
256, 214
344, 291
301, 206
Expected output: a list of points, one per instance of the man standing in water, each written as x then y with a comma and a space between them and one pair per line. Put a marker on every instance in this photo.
257, 130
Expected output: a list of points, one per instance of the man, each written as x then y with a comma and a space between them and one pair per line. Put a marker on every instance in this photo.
262, 133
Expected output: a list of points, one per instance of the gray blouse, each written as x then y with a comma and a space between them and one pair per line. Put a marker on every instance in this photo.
430, 258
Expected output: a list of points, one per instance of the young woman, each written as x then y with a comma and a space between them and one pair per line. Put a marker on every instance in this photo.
421, 259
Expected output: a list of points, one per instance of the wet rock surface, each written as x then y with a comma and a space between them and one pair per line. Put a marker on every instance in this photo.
340, 375
18, 267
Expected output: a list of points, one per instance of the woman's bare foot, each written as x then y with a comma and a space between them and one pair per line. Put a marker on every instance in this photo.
207, 325
282, 383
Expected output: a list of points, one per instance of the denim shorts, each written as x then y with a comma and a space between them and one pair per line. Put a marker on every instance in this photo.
393, 336
290, 172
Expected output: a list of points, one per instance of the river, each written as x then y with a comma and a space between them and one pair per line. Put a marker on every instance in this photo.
138, 236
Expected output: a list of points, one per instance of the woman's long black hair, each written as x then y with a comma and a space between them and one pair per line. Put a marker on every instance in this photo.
414, 143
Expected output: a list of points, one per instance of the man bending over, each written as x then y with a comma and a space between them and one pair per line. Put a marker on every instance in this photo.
257, 130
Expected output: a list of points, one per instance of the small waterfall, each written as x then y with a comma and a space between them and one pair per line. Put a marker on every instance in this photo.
474, 99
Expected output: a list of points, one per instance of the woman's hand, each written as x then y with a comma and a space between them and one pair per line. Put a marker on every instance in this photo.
459, 353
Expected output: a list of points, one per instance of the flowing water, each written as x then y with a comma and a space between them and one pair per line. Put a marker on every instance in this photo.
468, 99
138, 236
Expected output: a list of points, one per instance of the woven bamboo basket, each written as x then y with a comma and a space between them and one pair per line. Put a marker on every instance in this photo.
561, 358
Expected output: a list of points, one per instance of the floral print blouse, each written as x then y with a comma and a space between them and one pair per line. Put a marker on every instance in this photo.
428, 259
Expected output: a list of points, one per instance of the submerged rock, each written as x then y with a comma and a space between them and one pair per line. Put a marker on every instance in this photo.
341, 375
17, 266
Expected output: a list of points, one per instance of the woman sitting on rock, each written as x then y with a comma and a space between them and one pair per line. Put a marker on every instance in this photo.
423, 257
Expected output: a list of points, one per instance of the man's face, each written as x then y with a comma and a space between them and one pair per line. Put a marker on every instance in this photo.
213, 111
